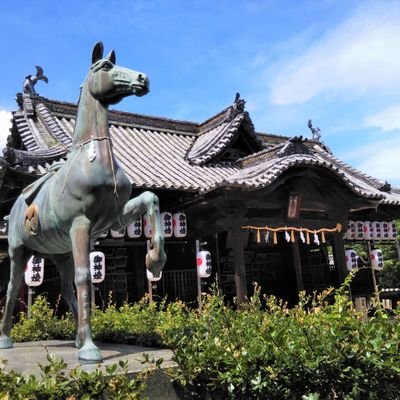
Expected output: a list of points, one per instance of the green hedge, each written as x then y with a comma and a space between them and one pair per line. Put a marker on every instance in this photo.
56, 383
320, 349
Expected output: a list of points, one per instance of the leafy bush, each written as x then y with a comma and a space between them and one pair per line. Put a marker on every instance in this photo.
130, 323
320, 349
57, 383
315, 350
42, 324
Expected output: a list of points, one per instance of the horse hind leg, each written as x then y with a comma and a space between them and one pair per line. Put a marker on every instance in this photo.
18, 259
65, 267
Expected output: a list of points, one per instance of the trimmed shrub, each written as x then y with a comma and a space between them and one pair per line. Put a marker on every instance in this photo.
319, 349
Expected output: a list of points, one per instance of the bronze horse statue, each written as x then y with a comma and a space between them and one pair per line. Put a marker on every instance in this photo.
58, 215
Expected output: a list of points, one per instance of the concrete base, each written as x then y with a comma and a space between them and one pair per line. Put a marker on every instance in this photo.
24, 358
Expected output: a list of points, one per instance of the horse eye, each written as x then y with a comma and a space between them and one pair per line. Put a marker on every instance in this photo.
107, 66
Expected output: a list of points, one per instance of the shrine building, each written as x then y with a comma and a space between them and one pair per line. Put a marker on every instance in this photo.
280, 211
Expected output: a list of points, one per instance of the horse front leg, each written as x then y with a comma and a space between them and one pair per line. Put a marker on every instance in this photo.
147, 202
80, 239
18, 259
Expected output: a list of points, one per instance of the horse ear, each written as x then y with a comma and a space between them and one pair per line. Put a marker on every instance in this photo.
97, 52
111, 56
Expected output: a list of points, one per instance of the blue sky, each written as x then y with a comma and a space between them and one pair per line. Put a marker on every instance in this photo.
334, 61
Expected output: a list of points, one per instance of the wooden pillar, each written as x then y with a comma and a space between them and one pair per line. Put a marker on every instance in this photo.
297, 265
339, 256
239, 266
138, 255
376, 291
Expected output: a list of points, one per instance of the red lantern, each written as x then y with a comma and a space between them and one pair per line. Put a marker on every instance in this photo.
179, 223
377, 260
368, 230
204, 264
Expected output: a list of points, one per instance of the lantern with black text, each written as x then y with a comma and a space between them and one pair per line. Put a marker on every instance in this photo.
359, 230
134, 230
97, 266
376, 259
385, 230
392, 230
350, 231
119, 234
204, 264
351, 259
34, 271
180, 224
153, 277
368, 230
166, 223
146, 226
376, 230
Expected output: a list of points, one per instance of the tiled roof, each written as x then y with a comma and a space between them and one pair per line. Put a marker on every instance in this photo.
160, 153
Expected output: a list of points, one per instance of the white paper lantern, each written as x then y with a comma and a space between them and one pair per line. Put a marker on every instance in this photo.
376, 230
351, 230
134, 230
179, 223
385, 230
97, 266
392, 230
103, 235
368, 229
34, 271
146, 226
351, 259
204, 264
119, 234
166, 223
376, 259
359, 230
153, 277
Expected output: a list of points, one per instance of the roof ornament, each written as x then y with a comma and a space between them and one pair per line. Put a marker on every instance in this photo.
386, 187
30, 81
316, 132
239, 103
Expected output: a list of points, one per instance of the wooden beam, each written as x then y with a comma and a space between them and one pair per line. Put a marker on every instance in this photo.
239, 266
297, 265
339, 256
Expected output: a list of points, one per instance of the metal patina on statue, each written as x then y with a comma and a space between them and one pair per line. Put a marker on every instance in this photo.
61, 213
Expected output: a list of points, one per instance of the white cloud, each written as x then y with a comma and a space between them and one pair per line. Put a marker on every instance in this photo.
387, 119
379, 159
5, 125
362, 54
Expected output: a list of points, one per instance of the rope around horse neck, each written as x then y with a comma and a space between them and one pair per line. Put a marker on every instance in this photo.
80, 147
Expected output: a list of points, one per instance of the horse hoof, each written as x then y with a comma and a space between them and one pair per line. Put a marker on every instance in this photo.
78, 342
89, 355
155, 263
5, 342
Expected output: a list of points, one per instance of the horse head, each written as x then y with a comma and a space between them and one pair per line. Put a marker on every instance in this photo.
110, 83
